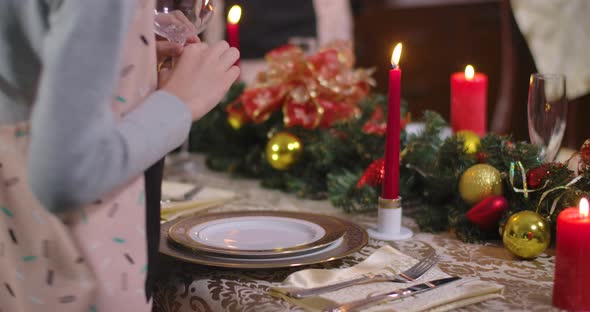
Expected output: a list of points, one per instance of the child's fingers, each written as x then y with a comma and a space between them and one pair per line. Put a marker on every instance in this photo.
229, 58
192, 53
193, 39
166, 49
218, 48
232, 75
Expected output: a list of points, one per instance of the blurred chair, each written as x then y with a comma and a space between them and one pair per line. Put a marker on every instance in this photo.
501, 121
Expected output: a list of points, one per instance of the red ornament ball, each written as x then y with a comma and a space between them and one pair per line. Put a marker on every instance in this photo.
482, 157
585, 156
373, 175
585, 150
536, 176
488, 212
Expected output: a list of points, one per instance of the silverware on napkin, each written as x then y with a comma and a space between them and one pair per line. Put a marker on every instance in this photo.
183, 197
406, 276
391, 296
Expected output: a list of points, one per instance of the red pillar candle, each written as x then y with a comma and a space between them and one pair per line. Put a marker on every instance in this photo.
233, 27
392, 137
469, 101
572, 266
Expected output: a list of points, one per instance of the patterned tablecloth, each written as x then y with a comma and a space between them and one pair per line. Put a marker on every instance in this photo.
188, 287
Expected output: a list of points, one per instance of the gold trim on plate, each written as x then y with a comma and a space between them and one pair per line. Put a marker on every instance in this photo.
179, 233
354, 239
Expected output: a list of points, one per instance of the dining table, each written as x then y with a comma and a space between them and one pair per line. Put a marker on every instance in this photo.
183, 286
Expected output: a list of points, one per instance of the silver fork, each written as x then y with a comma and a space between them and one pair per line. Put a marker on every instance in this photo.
406, 276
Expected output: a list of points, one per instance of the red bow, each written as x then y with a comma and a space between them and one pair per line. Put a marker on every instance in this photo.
317, 90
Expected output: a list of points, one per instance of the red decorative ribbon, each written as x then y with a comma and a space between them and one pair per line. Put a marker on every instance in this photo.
312, 91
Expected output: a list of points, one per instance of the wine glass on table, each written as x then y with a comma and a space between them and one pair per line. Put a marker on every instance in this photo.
177, 21
547, 113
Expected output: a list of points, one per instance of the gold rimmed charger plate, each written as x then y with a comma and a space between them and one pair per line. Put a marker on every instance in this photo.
333, 229
353, 240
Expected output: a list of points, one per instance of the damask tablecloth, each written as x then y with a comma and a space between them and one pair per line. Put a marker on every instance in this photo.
189, 287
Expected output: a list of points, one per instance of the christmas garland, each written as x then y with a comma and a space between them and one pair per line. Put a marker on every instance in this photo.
298, 143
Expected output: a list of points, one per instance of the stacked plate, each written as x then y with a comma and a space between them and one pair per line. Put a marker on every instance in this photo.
260, 239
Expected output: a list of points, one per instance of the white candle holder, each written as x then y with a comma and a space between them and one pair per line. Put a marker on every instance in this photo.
389, 221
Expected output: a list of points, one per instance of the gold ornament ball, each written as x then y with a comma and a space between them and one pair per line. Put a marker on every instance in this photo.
526, 234
283, 150
235, 122
478, 182
471, 141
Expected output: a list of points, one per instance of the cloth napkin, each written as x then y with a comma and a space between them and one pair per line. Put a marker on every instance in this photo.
387, 259
207, 197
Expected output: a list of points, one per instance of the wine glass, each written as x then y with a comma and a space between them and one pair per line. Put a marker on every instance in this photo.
547, 113
178, 20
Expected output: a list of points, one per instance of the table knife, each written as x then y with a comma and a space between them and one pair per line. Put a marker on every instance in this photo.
391, 296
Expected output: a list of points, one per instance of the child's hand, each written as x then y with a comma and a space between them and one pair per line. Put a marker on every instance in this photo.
202, 75
166, 51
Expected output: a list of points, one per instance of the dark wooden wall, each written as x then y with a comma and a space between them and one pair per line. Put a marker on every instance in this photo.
437, 42
441, 37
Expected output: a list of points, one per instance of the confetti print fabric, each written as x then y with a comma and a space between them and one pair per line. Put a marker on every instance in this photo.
93, 259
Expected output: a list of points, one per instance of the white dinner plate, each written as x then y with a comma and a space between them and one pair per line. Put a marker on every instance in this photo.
353, 240
256, 233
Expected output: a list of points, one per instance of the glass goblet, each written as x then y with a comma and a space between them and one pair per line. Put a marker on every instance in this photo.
547, 113
177, 21
180, 19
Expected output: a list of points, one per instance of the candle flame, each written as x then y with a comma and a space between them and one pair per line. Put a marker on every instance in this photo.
469, 72
395, 56
234, 14
583, 208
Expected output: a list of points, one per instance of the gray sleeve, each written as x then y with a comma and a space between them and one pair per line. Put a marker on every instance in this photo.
78, 151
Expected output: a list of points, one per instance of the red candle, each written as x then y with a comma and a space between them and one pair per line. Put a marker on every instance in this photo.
572, 255
392, 144
469, 101
233, 27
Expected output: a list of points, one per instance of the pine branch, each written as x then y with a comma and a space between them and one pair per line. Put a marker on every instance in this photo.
334, 159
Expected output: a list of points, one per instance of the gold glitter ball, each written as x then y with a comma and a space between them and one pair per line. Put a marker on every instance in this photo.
479, 182
526, 234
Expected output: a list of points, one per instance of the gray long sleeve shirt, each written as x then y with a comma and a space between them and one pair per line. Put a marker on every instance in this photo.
59, 63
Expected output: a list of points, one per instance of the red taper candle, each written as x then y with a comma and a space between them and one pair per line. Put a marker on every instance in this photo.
469, 101
392, 137
572, 254
233, 27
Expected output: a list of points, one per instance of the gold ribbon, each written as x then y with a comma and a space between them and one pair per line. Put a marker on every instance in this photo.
524, 190
555, 201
